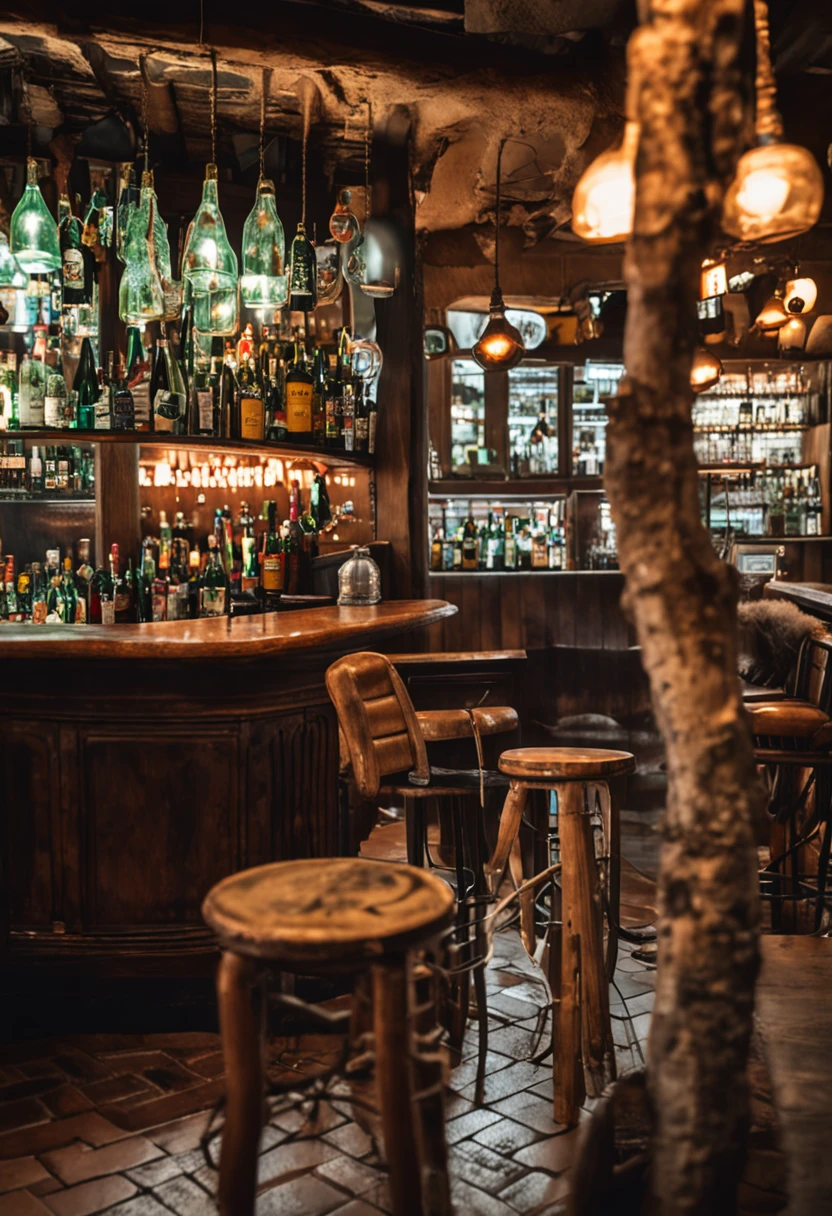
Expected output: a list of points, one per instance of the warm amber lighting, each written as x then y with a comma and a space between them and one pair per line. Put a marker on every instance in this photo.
801, 295
772, 315
792, 335
713, 279
605, 197
500, 346
705, 370
777, 193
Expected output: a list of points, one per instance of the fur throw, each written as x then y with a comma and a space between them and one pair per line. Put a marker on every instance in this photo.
770, 636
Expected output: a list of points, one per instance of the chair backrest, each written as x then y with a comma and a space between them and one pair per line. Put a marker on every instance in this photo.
813, 681
377, 721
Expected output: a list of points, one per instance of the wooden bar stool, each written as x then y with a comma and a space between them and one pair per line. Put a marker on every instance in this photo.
322, 916
581, 1030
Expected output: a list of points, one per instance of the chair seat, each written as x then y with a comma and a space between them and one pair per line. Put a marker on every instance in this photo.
792, 719
442, 724
752, 694
322, 910
565, 763
446, 783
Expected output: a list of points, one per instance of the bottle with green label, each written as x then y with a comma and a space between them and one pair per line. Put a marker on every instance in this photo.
85, 388
213, 587
138, 379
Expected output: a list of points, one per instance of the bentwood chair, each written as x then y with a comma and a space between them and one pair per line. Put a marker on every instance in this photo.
386, 756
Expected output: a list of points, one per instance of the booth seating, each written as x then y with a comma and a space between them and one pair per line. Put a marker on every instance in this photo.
579, 967
326, 917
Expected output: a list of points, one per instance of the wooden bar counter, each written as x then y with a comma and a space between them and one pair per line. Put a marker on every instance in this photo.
142, 763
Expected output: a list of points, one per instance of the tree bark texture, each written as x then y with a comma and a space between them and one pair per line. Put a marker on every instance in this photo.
685, 64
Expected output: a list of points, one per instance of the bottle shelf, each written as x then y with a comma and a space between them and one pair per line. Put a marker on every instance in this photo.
48, 500
287, 451
775, 429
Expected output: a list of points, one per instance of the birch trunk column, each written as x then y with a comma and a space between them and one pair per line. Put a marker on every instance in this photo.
693, 113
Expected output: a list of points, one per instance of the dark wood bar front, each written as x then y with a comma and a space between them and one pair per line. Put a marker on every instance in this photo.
144, 763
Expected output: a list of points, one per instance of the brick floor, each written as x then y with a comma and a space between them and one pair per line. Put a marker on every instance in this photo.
112, 1123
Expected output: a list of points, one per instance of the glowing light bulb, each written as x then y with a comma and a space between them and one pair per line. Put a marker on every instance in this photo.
772, 316
705, 370
604, 201
762, 194
792, 335
777, 193
801, 295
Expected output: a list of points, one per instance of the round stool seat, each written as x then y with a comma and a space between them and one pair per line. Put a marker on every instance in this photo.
441, 724
565, 763
321, 910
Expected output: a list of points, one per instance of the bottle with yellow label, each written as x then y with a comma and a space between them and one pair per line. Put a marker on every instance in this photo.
249, 412
299, 392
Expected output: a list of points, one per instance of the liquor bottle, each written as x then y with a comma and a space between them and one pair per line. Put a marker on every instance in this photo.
308, 537
213, 589
102, 606
813, 508
138, 379
470, 545
362, 419
123, 607
56, 413
540, 549
448, 550
170, 400
205, 400
11, 610
303, 273
272, 563
77, 259
123, 410
347, 395
83, 577
436, 550
333, 403
249, 410
319, 504
245, 345
299, 399
159, 593
250, 574
128, 197
193, 584
319, 386
32, 389
144, 588
73, 613
39, 609
24, 594
56, 607
85, 385
102, 405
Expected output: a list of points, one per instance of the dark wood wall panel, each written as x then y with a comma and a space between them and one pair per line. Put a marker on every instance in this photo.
30, 784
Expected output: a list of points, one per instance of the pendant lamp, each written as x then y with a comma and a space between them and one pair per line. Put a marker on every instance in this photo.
777, 192
604, 200
141, 296
791, 337
801, 294
12, 274
33, 231
772, 316
263, 283
705, 370
500, 347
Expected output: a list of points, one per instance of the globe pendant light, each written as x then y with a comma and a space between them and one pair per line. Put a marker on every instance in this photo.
705, 370
263, 283
777, 192
500, 346
33, 232
801, 294
209, 264
604, 200
342, 223
772, 316
791, 337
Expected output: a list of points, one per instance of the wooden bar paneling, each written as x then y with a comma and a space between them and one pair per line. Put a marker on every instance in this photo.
117, 506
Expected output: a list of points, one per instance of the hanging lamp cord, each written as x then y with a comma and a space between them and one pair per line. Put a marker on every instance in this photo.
264, 91
497, 220
213, 106
769, 124
143, 75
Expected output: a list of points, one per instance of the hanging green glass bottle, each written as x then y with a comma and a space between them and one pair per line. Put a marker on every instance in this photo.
210, 265
12, 274
34, 233
263, 283
141, 296
161, 245
128, 200
303, 275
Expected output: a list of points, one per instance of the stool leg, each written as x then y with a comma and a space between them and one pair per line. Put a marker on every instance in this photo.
472, 814
391, 1019
430, 1082
510, 819
567, 1066
611, 818
243, 1085
599, 1055
414, 823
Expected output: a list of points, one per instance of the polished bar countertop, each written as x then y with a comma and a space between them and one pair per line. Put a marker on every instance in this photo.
814, 598
246, 637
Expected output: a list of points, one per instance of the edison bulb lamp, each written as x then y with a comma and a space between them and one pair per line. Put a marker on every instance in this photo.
500, 347
791, 337
801, 295
772, 316
33, 232
705, 370
605, 197
777, 193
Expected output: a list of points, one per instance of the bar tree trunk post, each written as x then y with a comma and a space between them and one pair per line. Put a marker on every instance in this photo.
693, 111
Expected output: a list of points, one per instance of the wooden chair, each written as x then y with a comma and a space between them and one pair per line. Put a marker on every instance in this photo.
385, 747
322, 916
578, 970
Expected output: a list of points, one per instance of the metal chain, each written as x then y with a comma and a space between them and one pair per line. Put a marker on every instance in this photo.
368, 141
265, 89
142, 74
307, 110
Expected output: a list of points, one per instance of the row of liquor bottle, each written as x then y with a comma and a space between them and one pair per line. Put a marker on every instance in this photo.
173, 581
766, 502
271, 390
503, 542
53, 471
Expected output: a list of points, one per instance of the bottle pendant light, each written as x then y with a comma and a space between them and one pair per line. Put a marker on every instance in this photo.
141, 296
33, 232
777, 192
500, 347
209, 262
303, 274
263, 283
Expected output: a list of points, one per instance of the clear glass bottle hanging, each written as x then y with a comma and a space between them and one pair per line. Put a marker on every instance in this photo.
128, 200
303, 275
329, 280
264, 282
141, 297
33, 231
209, 264
161, 248
12, 274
